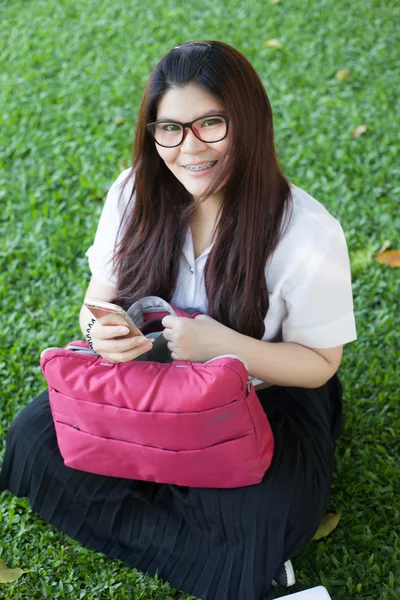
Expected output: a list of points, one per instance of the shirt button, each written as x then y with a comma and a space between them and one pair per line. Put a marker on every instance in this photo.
191, 269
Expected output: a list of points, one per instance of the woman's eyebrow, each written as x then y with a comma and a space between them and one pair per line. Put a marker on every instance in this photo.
209, 113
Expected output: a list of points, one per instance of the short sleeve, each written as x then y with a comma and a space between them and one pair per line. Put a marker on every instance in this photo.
319, 304
100, 253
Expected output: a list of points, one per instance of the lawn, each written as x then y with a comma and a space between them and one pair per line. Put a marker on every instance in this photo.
71, 78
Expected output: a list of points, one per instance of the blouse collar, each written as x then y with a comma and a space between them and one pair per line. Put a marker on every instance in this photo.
188, 249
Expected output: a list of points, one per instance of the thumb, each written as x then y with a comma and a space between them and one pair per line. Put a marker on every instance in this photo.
169, 321
203, 318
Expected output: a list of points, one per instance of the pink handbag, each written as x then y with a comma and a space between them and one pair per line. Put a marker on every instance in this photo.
157, 419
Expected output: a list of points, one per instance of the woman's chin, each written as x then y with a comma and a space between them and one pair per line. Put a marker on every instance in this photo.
195, 190
198, 190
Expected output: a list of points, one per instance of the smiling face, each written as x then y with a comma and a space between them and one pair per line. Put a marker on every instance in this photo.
186, 160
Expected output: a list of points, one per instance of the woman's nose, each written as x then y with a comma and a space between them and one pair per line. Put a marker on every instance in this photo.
191, 142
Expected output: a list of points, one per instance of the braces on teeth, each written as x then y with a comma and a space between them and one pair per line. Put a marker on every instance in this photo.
201, 167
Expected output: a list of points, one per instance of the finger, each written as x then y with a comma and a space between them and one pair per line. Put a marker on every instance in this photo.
170, 321
167, 334
123, 345
202, 318
133, 343
108, 332
118, 357
171, 346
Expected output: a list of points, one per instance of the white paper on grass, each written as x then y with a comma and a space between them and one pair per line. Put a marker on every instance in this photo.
316, 593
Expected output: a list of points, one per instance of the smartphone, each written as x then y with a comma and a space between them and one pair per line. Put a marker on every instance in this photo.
112, 314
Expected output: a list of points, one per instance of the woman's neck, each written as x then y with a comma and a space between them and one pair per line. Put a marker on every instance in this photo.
203, 224
206, 213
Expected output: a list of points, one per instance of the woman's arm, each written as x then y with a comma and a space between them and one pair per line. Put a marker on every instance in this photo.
278, 363
286, 363
281, 363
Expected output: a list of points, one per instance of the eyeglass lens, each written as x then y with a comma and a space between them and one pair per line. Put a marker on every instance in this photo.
207, 129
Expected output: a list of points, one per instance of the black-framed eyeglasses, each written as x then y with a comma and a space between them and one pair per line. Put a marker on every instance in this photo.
210, 129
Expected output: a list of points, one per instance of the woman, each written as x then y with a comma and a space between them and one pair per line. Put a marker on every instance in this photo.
206, 219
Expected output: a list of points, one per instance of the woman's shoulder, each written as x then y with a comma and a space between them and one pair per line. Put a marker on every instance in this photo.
309, 214
309, 233
309, 219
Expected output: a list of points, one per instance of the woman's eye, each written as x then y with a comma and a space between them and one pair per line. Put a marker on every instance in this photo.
171, 127
212, 122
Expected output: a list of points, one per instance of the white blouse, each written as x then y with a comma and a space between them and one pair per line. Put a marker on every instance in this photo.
308, 275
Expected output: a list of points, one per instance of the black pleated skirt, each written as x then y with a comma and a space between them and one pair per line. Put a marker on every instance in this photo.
215, 544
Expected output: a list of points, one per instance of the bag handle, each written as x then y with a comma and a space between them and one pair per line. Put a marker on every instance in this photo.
148, 305
154, 307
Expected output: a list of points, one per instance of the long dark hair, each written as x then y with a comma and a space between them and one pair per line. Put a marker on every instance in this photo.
252, 213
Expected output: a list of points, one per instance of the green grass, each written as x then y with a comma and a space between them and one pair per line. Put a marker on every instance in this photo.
71, 78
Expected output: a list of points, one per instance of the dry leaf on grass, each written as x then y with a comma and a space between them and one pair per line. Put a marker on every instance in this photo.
359, 131
328, 523
391, 258
273, 44
385, 246
343, 75
9, 575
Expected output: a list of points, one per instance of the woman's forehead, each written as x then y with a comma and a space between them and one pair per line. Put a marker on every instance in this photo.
187, 103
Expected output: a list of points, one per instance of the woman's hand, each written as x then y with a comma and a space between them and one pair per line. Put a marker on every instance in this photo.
110, 343
198, 339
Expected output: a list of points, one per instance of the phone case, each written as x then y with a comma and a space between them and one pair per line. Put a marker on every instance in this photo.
101, 309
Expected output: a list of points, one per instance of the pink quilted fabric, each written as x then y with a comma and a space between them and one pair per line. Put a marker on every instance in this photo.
185, 423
